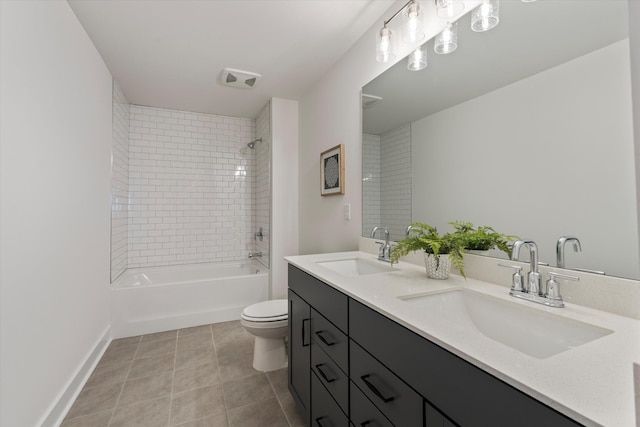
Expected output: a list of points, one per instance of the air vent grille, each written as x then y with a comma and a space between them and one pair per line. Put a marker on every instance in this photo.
240, 79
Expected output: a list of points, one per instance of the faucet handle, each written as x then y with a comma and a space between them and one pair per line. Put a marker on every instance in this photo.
516, 281
553, 287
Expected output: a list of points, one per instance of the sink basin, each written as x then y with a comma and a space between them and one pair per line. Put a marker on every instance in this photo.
526, 329
356, 266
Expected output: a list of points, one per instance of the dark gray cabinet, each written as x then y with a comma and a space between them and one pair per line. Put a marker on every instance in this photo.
365, 370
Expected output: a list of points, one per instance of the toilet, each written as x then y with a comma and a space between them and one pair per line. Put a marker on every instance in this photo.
268, 322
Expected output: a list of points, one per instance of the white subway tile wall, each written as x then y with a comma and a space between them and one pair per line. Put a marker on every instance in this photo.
395, 180
370, 183
119, 182
190, 187
262, 193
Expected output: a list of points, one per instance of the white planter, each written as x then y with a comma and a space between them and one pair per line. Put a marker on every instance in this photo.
437, 269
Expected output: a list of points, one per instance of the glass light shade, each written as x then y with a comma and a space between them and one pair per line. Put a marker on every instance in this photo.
384, 45
447, 40
449, 8
412, 23
485, 16
417, 60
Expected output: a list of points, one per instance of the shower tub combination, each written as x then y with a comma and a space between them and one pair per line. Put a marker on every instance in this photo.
147, 300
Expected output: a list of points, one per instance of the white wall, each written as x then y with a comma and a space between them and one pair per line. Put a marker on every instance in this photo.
54, 213
330, 114
634, 49
537, 195
284, 190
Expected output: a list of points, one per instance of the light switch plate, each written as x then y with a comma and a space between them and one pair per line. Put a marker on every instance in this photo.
347, 211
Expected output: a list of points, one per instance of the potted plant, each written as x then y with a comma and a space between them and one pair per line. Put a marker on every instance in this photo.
483, 238
424, 237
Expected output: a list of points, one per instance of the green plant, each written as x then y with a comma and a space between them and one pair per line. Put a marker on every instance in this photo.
424, 237
483, 238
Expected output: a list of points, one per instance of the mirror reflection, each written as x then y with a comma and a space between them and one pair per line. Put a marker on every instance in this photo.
526, 128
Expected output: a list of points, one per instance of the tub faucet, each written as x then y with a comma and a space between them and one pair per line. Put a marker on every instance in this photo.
255, 255
384, 253
577, 247
534, 275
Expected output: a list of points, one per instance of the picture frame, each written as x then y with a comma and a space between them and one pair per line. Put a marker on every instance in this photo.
332, 171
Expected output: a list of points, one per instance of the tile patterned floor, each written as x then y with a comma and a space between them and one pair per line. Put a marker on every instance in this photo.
194, 377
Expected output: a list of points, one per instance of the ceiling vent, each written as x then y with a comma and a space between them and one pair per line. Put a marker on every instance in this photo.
239, 78
369, 101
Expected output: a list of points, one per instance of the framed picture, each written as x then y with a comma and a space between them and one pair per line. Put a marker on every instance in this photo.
332, 171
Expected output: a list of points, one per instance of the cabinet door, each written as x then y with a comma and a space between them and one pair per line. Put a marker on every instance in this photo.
300, 352
433, 418
325, 412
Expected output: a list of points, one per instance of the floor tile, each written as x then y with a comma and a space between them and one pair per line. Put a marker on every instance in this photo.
117, 353
146, 388
247, 390
100, 419
166, 335
194, 330
236, 366
222, 327
241, 343
295, 417
266, 413
149, 413
195, 357
95, 399
154, 365
195, 377
194, 404
216, 420
193, 341
109, 373
156, 348
279, 381
224, 336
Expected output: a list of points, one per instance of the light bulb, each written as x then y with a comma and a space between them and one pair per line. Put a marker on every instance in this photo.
447, 40
384, 45
412, 23
417, 59
486, 16
449, 8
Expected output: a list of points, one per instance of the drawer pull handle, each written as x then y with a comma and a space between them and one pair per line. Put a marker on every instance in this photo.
321, 423
323, 375
305, 340
365, 423
323, 339
374, 390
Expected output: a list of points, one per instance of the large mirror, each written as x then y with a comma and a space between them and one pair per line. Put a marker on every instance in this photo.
526, 128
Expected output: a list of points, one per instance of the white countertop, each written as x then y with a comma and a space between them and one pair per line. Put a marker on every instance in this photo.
592, 383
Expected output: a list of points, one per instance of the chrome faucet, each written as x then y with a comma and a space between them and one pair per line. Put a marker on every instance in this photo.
577, 247
255, 255
533, 284
408, 230
533, 292
384, 253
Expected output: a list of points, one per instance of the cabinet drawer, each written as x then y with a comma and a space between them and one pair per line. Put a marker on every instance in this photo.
328, 337
331, 376
364, 413
433, 418
325, 412
395, 399
333, 304
459, 389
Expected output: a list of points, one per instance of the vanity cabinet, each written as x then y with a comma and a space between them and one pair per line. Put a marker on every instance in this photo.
364, 369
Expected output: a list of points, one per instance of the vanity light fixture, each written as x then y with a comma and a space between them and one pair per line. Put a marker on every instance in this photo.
412, 23
412, 31
447, 9
417, 60
485, 16
384, 45
447, 40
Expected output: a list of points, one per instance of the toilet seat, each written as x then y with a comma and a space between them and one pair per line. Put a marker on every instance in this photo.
267, 311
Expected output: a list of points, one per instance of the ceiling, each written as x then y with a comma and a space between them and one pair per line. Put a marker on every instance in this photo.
171, 53
530, 38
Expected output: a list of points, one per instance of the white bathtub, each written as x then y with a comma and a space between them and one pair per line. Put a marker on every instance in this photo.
147, 300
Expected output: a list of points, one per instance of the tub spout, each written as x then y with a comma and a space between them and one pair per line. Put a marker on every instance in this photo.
255, 255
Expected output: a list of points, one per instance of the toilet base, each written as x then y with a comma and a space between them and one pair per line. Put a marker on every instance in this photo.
269, 354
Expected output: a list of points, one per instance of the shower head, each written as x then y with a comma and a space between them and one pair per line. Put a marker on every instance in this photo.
252, 144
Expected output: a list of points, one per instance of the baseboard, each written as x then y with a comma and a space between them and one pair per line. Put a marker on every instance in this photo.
69, 394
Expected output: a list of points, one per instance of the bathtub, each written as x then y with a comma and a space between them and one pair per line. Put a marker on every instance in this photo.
147, 300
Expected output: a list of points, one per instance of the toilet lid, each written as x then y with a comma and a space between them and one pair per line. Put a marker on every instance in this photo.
277, 309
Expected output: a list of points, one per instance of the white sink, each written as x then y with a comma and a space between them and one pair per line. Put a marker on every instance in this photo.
356, 266
526, 329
